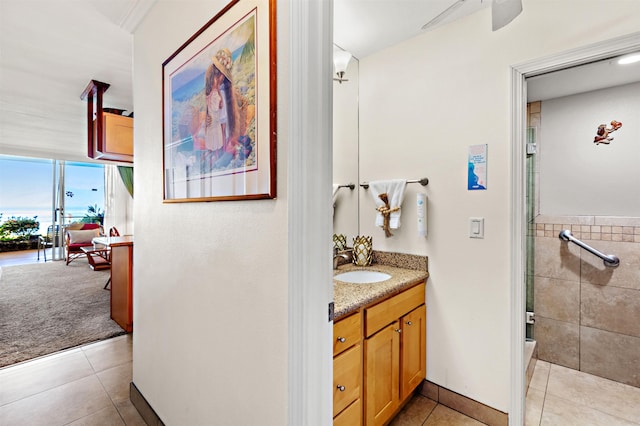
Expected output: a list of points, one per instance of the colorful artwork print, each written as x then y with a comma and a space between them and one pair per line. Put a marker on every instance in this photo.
477, 168
213, 106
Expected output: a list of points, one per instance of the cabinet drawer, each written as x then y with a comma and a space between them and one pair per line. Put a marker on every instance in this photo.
351, 416
347, 378
391, 309
346, 333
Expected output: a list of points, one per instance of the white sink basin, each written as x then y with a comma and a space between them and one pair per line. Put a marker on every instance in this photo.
362, 277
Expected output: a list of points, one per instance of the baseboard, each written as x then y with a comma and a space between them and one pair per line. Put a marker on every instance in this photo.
146, 411
467, 406
460, 403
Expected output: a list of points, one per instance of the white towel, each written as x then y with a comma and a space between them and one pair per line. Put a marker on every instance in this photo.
395, 191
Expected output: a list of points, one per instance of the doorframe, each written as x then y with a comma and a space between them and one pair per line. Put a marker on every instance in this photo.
309, 179
519, 73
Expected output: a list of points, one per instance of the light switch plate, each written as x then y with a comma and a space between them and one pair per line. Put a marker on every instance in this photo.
476, 227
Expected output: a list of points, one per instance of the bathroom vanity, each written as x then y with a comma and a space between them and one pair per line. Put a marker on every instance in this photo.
379, 346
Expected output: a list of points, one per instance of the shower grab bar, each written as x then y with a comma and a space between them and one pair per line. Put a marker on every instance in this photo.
609, 260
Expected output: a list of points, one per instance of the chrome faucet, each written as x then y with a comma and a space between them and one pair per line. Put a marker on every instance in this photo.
346, 255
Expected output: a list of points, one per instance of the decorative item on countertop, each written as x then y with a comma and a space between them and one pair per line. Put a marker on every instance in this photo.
388, 195
602, 134
362, 250
339, 242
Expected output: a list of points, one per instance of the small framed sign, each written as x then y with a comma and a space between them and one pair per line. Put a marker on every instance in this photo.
477, 168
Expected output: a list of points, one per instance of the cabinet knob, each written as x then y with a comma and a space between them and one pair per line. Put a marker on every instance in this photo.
409, 323
340, 388
341, 339
397, 330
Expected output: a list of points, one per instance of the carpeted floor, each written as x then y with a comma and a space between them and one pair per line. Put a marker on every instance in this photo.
48, 307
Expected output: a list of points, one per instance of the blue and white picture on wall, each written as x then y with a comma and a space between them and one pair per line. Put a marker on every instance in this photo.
477, 168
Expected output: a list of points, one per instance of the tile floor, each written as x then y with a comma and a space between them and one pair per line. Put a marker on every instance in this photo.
422, 411
88, 385
563, 396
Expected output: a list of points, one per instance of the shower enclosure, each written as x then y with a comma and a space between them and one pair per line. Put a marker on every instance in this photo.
587, 314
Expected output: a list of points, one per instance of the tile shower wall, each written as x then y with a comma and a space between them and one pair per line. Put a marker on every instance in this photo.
588, 315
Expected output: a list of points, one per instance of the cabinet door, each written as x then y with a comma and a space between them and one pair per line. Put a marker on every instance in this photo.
347, 378
346, 333
351, 416
382, 360
413, 350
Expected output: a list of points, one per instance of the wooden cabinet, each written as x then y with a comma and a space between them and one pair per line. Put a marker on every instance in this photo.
122, 285
121, 255
413, 355
379, 358
347, 371
394, 353
382, 367
109, 135
116, 141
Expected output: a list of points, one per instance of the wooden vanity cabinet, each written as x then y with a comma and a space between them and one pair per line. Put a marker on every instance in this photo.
394, 353
413, 351
347, 371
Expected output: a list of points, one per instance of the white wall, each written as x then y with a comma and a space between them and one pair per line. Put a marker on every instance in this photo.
210, 279
422, 103
578, 177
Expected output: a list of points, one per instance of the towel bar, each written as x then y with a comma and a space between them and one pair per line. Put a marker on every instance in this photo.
348, 185
423, 182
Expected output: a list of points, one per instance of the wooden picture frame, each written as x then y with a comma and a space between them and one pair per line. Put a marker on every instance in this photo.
219, 108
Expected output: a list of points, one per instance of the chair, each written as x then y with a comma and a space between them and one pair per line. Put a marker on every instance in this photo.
52, 239
78, 236
113, 232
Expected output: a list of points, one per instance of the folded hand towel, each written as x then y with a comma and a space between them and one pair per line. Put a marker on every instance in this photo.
395, 191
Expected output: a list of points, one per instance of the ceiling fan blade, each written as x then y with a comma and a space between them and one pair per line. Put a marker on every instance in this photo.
503, 12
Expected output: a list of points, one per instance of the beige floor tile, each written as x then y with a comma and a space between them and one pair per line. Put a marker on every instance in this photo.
29, 378
443, 416
57, 406
586, 390
558, 411
540, 376
108, 416
116, 381
110, 353
415, 412
533, 407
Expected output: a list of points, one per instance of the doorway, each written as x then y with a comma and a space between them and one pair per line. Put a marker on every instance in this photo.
594, 288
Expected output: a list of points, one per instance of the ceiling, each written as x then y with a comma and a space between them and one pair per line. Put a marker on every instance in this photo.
51, 49
580, 79
363, 27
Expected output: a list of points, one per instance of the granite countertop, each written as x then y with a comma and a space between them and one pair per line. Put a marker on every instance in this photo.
348, 297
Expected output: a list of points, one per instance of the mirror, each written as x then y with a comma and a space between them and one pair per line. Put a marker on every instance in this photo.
345, 153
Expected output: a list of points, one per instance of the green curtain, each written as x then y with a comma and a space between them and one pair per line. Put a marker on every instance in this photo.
126, 173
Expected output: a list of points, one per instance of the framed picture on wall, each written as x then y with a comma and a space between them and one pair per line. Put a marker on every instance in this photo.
219, 108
